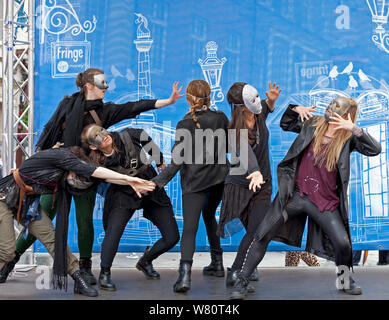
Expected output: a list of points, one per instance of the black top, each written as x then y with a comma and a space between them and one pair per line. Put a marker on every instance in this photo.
44, 169
109, 114
120, 195
258, 152
198, 177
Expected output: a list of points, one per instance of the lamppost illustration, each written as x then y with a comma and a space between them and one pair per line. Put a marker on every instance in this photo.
380, 11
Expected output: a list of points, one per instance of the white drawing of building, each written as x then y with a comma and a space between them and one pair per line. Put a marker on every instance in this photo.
212, 68
379, 10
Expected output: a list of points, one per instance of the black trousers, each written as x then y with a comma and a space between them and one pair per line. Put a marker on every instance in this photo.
329, 221
193, 204
161, 216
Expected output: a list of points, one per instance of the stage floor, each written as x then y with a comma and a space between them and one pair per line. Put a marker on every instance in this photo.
293, 283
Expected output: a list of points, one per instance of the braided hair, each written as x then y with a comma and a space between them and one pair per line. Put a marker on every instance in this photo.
198, 95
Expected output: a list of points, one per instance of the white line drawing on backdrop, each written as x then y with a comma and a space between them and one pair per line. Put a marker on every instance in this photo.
380, 11
68, 58
212, 69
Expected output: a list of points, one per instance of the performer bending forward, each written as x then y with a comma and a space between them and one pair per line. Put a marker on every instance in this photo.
46, 172
123, 152
312, 181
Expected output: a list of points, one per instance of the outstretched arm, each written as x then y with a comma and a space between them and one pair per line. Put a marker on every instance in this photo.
172, 99
139, 185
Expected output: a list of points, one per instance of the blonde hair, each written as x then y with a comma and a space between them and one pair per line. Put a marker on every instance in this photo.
198, 95
332, 150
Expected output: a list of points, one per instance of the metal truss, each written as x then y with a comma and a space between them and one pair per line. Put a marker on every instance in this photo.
18, 81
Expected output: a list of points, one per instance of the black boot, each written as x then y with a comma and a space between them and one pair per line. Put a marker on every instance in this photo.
86, 270
147, 268
105, 281
216, 267
239, 290
232, 278
254, 276
183, 282
352, 288
82, 287
8, 267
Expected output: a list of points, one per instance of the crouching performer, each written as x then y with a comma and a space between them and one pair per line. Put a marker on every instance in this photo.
312, 182
50, 172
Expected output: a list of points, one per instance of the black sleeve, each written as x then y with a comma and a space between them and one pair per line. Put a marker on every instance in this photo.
119, 112
265, 109
68, 161
148, 144
291, 120
365, 144
171, 170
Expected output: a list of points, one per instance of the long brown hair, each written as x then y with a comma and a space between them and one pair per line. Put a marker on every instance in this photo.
239, 113
86, 77
198, 95
95, 156
332, 150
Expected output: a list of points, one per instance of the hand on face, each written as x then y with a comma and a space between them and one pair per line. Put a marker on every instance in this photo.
341, 123
175, 93
273, 93
305, 112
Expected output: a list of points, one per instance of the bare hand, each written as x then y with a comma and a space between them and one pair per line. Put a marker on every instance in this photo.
256, 181
342, 123
305, 112
273, 93
175, 93
141, 186
57, 145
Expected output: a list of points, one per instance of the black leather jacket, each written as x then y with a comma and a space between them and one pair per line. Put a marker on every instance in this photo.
292, 231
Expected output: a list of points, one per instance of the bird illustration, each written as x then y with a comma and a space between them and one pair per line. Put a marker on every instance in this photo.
362, 76
129, 75
112, 85
334, 72
352, 82
115, 72
348, 69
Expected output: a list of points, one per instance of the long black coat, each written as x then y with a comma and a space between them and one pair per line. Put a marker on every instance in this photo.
292, 230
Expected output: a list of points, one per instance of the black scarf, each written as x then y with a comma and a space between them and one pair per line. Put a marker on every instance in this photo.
75, 119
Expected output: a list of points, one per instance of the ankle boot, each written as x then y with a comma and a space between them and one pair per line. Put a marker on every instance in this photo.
254, 276
216, 267
147, 268
184, 277
105, 281
352, 288
239, 290
8, 267
86, 270
82, 287
232, 278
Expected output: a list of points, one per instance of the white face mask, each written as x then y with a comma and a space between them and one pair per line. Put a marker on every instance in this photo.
251, 99
100, 81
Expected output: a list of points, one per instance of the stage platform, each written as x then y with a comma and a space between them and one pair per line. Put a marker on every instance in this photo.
276, 282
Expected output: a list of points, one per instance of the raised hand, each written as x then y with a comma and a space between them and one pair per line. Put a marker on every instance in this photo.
175, 93
341, 123
256, 181
305, 112
273, 93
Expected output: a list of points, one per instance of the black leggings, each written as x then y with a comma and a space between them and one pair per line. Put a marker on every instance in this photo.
255, 217
206, 201
329, 221
161, 217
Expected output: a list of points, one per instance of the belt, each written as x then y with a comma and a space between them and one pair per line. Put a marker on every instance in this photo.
24, 189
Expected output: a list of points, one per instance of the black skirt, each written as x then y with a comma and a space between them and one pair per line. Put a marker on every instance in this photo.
237, 202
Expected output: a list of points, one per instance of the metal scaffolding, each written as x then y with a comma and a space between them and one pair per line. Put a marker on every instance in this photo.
18, 80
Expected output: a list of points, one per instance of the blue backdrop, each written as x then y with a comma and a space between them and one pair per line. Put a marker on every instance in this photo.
314, 50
